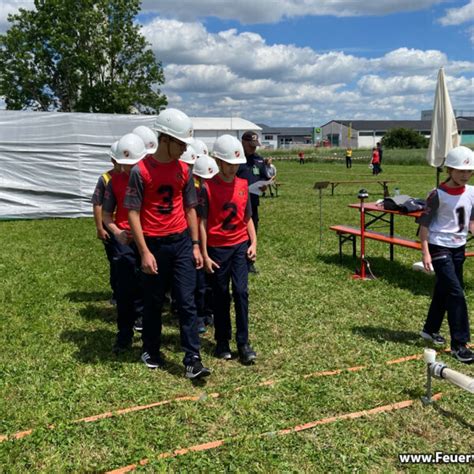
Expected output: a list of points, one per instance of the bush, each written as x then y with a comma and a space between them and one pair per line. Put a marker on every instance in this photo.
404, 138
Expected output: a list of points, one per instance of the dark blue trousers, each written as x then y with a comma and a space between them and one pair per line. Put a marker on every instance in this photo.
176, 267
129, 294
448, 295
203, 295
109, 251
233, 267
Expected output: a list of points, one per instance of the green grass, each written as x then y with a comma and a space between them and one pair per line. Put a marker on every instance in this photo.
306, 315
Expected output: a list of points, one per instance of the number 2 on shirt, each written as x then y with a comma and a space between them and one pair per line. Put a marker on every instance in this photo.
226, 223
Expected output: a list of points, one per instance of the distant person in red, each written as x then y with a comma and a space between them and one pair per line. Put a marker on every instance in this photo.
228, 241
375, 161
301, 157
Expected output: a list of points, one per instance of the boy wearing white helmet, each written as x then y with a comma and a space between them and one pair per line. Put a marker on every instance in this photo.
228, 240
149, 138
161, 199
444, 225
130, 150
204, 168
97, 200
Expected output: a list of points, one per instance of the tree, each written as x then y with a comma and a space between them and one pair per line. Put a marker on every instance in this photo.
404, 138
79, 56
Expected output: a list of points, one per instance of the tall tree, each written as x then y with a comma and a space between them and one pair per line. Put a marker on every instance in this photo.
79, 56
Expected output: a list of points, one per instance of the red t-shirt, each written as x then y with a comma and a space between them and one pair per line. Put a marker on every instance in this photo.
375, 157
113, 199
227, 209
161, 192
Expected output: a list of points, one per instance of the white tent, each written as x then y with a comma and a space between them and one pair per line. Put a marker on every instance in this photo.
50, 162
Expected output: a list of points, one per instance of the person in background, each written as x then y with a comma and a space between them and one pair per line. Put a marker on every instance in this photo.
448, 216
301, 157
380, 150
271, 173
130, 150
252, 170
204, 168
102, 234
375, 162
349, 157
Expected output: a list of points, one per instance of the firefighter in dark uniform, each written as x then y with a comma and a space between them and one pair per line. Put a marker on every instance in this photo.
252, 171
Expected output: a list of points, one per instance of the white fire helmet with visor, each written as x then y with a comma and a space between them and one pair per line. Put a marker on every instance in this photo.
189, 156
130, 149
113, 150
460, 158
176, 124
149, 138
205, 167
227, 148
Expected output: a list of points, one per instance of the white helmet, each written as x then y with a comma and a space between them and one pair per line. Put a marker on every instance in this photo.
227, 148
460, 158
148, 136
176, 124
130, 149
205, 167
200, 147
189, 156
113, 150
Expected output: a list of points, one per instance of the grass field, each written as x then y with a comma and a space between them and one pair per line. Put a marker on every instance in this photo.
307, 316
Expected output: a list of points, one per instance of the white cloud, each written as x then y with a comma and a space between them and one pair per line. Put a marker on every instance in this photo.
458, 16
11, 6
272, 11
407, 60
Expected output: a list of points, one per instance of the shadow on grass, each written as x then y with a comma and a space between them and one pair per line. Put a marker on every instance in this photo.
94, 347
383, 334
91, 312
394, 273
89, 296
453, 416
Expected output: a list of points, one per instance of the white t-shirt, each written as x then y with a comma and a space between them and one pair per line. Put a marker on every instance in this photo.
447, 215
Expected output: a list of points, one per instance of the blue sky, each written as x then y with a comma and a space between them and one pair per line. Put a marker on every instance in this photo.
299, 62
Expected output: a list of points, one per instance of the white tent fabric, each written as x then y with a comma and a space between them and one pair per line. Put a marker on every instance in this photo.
50, 162
444, 130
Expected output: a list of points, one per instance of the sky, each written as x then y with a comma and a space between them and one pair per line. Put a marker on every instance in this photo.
306, 62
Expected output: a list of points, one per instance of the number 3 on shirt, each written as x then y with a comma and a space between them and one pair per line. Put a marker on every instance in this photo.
166, 192
226, 223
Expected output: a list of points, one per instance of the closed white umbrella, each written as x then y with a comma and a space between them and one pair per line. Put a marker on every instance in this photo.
444, 130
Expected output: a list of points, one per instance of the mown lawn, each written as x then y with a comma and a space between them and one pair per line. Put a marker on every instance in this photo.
307, 316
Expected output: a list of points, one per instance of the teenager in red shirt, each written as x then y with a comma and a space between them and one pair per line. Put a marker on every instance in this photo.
375, 161
161, 199
228, 240
130, 150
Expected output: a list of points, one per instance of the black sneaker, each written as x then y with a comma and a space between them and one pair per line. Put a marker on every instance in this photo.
463, 354
138, 326
195, 369
246, 354
120, 347
433, 337
222, 351
152, 361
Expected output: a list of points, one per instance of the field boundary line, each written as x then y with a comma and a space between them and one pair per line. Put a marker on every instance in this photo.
283, 432
195, 398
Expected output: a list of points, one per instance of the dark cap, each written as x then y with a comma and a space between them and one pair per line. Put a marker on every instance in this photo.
251, 137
